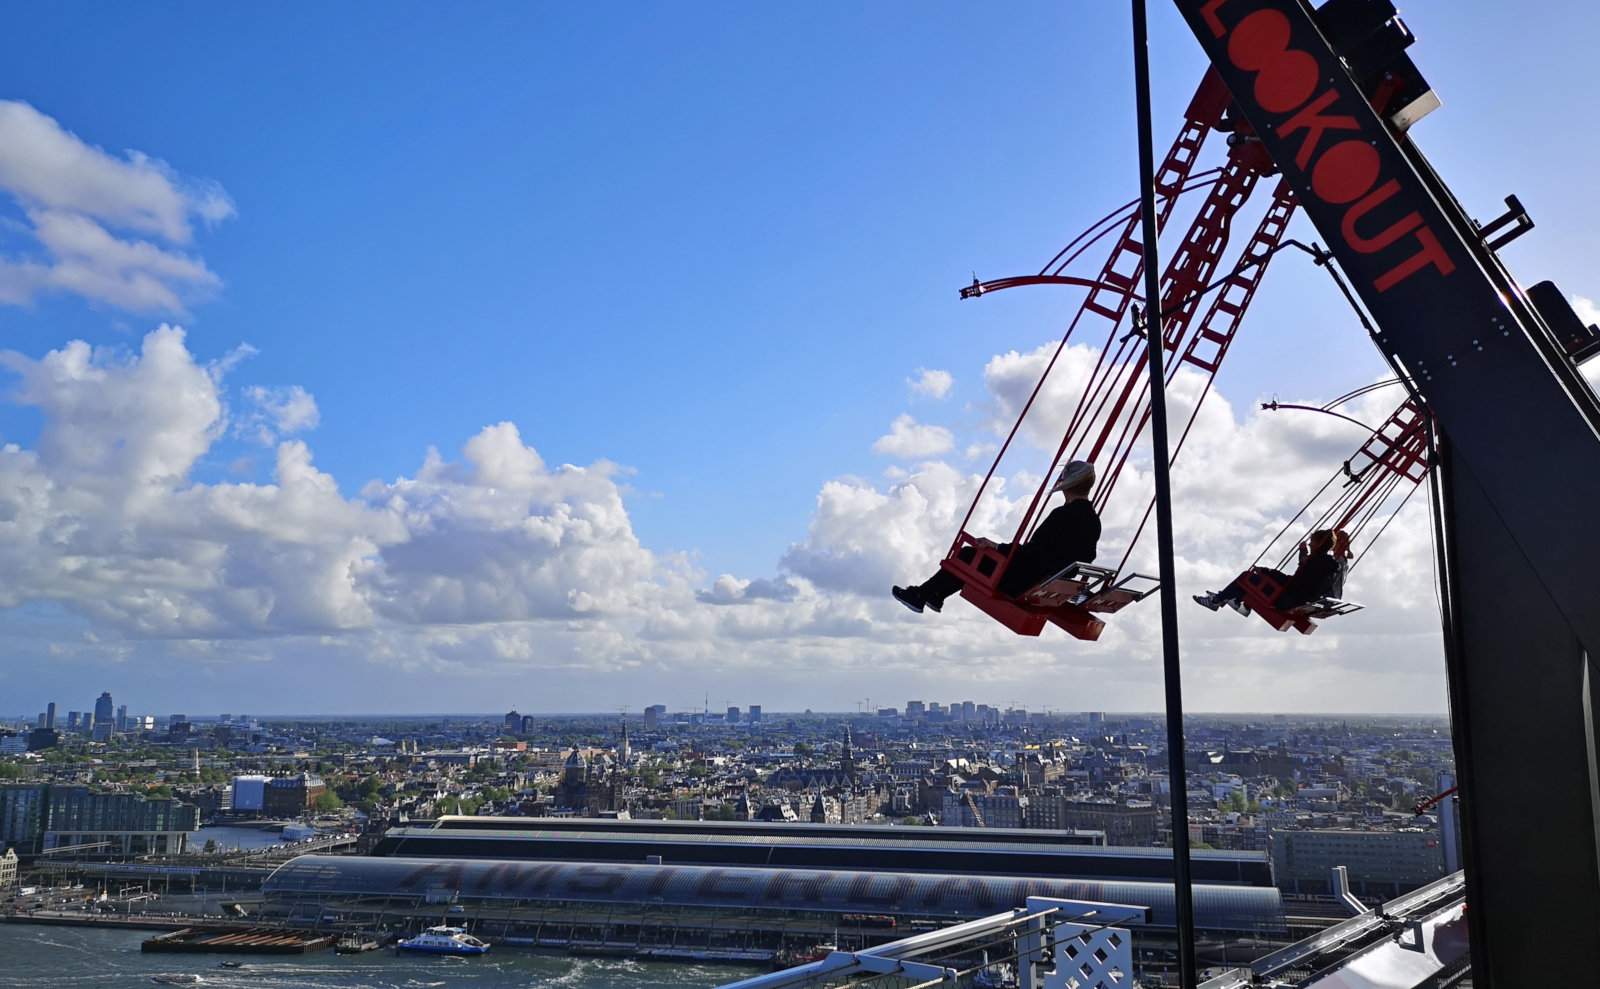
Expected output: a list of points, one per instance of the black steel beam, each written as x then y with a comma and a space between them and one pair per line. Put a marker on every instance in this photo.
1161, 459
1519, 691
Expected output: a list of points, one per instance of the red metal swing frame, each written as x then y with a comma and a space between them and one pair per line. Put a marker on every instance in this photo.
1116, 400
1394, 455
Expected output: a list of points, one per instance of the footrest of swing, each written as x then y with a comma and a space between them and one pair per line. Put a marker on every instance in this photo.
1130, 589
1326, 608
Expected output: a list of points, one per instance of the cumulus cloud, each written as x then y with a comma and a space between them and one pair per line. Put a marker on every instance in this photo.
74, 195
280, 411
495, 560
909, 439
105, 517
930, 383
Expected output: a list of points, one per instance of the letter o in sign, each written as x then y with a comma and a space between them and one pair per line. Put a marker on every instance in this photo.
1285, 77
1345, 172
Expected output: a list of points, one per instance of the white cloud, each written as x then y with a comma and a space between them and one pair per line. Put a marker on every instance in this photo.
909, 439
931, 383
1588, 311
495, 563
275, 412
74, 194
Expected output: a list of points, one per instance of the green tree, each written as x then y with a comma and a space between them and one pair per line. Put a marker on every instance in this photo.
327, 801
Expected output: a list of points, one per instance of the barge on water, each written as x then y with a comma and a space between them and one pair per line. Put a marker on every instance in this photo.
243, 940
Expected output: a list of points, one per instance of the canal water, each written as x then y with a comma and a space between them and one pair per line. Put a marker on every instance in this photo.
99, 958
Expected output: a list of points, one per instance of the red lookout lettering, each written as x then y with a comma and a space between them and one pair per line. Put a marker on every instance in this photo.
1342, 169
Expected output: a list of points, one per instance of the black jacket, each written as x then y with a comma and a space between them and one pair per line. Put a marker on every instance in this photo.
1070, 534
1317, 576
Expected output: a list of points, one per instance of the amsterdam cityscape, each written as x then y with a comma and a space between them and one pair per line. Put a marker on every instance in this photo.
115, 819
689, 496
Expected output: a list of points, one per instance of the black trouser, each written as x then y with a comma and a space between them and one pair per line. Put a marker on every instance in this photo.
944, 583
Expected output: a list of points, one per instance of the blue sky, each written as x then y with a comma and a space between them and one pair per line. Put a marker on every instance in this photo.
706, 242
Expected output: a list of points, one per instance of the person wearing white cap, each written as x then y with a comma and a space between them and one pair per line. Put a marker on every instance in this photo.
1069, 534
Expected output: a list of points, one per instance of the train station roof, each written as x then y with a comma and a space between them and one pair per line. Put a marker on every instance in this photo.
945, 896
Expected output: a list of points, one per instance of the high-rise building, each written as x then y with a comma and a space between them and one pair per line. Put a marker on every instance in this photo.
1449, 810
733, 715
49, 716
513, 722
968, 710
915, 709
653, 715
755, 714
73, 717
104, 709
122, 717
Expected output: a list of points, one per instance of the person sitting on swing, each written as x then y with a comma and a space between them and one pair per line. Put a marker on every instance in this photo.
1324, 561
1069, 534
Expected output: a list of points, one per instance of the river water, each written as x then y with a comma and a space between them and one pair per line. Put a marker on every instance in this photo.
228, 838
99, 958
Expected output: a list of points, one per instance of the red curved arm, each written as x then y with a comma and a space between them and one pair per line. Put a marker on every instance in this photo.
978, 288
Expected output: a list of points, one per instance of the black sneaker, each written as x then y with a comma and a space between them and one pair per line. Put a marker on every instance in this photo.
910, 598
932, 605
1207, 601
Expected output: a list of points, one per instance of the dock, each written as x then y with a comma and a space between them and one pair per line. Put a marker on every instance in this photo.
244, 940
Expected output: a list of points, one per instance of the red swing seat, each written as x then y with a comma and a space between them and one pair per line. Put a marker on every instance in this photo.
1262, 589
1070, 599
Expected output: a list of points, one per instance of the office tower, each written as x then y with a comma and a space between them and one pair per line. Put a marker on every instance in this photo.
49, 716
755, 714
968, 710
915, 709
122, 717
73, 717
653, 715
733, 715
104, 709
1448, 810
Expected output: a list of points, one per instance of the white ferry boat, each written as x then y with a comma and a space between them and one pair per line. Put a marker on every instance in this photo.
444, 941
